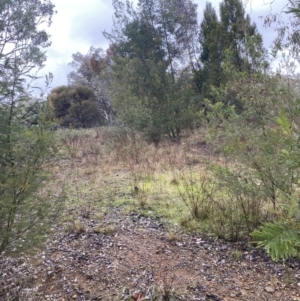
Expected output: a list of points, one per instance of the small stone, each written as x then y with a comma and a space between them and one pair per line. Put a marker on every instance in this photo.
136, 293
74, 297
59, 268
270, 289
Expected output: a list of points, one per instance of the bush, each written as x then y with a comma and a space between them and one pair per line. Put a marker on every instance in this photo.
74, 107
260, 174
27, 206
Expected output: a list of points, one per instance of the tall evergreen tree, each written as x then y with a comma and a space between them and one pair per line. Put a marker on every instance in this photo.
237, 32
211, 51
230, 40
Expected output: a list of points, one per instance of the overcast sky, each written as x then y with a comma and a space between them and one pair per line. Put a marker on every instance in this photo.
79, 24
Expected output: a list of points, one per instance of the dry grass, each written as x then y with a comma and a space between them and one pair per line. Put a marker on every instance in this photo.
107, 230
114, 167
108, 167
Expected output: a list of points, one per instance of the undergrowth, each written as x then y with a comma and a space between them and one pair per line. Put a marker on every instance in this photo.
186, 184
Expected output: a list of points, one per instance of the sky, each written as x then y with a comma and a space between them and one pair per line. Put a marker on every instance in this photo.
78, 25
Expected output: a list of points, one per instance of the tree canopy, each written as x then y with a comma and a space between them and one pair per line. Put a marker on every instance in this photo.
153, 58
230, 39
74, 106
93, 70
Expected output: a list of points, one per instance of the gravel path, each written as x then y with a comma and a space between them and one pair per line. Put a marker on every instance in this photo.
137, 259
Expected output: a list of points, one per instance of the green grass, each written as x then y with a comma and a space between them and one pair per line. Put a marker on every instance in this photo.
107, 169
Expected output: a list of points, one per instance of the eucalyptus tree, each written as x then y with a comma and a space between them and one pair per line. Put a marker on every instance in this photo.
87, 72
153, 59
25, 153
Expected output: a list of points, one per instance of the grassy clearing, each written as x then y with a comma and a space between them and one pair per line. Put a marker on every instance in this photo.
113, 167
107, 167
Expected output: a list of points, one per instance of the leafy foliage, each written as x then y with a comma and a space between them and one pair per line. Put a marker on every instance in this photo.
279, 240
26, 209
26, 153
152, 91
294, 9
74, 106
260, 175
93, 71
230, 38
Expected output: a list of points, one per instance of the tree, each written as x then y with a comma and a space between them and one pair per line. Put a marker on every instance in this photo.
211, 52
74, 106
281, 238
93, 70
151, 89
26, 207
237, 30
286, 44
231, 40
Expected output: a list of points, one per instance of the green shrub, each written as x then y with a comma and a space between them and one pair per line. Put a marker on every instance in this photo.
279, 240
260, 171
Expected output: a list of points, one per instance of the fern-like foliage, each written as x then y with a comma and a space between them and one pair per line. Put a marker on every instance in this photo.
279, 240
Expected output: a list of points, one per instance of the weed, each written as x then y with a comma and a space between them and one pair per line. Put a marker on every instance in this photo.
79, 227
167, 286
173, 236
175, 182
192, 225
236, 254
86, 210
141, 196
106, 230
196, 194
99, 215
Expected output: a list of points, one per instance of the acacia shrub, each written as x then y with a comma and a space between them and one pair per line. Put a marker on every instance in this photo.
257, 176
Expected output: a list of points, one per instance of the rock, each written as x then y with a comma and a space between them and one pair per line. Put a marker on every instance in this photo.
137, 294
270, 289
50, 273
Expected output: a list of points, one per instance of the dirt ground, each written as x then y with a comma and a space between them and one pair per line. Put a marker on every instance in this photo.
141, 258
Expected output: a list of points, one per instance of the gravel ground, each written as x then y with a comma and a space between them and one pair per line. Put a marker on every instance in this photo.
136, 258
